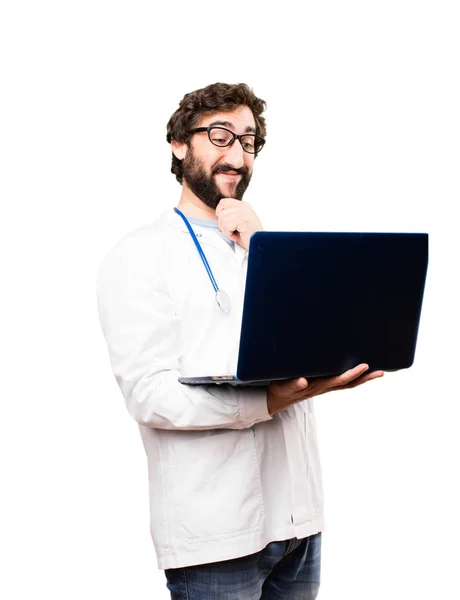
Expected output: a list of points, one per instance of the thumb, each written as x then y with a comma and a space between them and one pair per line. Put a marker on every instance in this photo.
292, 386
300, 384
287, 387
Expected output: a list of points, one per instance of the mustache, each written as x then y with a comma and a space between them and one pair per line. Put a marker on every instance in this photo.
226, 168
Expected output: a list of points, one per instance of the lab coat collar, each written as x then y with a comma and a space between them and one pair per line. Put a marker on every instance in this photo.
205, 235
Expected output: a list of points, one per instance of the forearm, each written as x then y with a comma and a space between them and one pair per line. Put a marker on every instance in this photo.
160, 401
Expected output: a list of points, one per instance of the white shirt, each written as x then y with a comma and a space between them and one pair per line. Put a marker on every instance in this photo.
225, 477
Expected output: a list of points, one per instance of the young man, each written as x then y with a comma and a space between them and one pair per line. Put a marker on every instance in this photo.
235, 483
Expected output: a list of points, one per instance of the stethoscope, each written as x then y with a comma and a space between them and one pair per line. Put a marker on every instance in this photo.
222, 297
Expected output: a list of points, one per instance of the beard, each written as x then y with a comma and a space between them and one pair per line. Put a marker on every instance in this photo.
203, 184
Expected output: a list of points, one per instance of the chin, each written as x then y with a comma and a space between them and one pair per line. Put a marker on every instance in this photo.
231, 190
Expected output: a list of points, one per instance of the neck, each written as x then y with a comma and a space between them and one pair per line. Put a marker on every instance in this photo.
193, 207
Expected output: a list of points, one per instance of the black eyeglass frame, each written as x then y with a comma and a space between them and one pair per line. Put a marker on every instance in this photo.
257, 138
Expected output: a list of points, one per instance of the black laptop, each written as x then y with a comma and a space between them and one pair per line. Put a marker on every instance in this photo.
317, 304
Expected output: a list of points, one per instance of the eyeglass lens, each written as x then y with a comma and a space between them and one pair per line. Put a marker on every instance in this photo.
223, 137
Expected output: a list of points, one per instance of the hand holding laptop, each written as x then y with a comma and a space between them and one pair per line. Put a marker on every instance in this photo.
282, 394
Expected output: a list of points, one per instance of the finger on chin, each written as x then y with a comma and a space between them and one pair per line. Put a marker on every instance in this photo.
220, 206
225, 203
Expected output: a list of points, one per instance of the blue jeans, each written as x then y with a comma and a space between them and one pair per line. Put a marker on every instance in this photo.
288, 570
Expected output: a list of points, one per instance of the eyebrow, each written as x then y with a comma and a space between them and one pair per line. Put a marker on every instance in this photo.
248, 129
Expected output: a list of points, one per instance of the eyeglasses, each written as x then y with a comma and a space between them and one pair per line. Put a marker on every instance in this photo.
221, 137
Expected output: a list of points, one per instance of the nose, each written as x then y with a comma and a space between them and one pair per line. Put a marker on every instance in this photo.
235, 155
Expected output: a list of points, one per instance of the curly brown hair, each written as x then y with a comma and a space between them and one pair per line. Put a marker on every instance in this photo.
211, 99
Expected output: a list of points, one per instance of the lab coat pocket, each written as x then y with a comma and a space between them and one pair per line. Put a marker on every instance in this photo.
216, 485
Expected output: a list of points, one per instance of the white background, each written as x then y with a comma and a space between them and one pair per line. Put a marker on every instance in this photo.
363, 134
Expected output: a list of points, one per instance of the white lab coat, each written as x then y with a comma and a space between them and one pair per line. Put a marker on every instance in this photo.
225, 477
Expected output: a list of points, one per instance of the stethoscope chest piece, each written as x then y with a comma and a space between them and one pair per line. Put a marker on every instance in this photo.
223, 300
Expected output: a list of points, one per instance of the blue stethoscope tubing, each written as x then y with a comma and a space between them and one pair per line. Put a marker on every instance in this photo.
222, 298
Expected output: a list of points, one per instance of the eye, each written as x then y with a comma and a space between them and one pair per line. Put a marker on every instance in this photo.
248, 143
221, 137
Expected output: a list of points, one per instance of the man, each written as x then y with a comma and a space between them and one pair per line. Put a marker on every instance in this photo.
235, 483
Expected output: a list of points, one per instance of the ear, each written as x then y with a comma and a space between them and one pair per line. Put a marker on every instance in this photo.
179, 149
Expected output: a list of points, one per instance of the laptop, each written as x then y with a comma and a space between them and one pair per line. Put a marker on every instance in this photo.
319, 303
